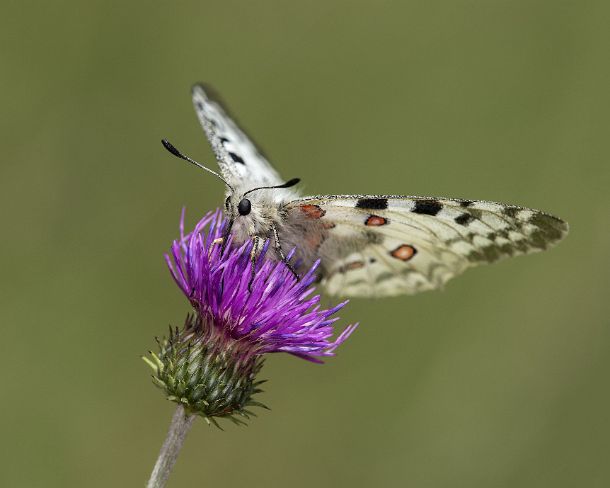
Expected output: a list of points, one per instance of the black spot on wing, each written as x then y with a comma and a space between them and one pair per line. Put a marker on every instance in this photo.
223, 140
236, 158
511, 211
213, 96
491, 253
372, 203
464, 219
427, 207
476, 213
551, 228
521, 245
466, 203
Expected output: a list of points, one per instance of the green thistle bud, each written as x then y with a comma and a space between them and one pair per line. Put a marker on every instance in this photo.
207, 372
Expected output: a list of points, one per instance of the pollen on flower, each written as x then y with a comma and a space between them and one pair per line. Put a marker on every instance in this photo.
210, 366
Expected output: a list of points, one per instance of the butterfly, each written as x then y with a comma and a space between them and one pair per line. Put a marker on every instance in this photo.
368, 245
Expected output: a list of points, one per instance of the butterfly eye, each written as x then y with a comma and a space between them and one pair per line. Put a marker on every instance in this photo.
244, 207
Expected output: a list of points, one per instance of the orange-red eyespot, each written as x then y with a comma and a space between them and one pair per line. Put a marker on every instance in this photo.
404, 252
313, 211
375, 221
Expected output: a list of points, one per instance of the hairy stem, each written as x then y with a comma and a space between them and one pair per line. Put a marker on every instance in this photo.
181, 424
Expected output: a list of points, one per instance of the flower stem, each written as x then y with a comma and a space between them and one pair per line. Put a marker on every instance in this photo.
181, 424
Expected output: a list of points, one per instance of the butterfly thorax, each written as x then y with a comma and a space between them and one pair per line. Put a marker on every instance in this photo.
265, 213
269, 219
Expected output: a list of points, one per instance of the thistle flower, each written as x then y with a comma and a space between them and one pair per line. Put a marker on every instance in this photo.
210, 366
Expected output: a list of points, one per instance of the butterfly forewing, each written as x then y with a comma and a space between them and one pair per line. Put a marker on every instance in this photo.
391, 245
240, 161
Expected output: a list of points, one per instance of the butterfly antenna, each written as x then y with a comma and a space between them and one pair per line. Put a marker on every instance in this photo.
170, 147
288, 184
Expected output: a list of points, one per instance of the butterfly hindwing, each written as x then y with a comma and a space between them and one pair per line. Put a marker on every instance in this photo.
392, 245
240, 161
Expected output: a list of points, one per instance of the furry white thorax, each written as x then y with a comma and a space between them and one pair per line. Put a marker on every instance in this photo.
266, 212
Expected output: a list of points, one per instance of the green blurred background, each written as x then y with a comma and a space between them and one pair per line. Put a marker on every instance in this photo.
501, 380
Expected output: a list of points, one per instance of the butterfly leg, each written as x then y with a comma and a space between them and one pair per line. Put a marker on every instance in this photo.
226, 234
222, 241
278, 248
253, 253
218, 241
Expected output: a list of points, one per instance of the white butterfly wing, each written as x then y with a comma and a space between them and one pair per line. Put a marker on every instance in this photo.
393, 245
240, 161
379, 245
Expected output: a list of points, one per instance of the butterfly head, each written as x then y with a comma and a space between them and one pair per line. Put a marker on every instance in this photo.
238, 206
252, 209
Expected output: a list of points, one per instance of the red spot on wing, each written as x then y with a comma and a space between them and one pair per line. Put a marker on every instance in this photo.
313, 211
404, 252
375, 221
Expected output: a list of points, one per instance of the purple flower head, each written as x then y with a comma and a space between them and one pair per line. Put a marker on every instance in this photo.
274, 312
210, 365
